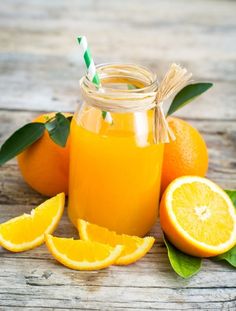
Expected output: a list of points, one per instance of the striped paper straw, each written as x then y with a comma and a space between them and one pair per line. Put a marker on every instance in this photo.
91, 69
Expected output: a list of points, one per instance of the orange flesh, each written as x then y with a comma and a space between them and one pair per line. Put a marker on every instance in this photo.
27, 228
199, 211
103, 235
78, 250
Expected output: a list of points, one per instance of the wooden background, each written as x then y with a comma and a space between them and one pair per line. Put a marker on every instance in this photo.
40, 65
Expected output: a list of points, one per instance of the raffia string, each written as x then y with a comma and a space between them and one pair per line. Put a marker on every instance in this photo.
175, 79
120, 101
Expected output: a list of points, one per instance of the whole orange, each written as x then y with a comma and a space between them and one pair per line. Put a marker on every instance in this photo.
186, 155
45, 165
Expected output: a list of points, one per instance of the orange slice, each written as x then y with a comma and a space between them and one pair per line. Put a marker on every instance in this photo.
198, 217
27, 231
82, 255
134, 247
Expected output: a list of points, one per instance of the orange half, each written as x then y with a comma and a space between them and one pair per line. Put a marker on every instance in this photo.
27, 231
198, 217
134, 247
82, 255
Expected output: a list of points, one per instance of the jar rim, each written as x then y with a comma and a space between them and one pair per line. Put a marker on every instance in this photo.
147, 73
121, 100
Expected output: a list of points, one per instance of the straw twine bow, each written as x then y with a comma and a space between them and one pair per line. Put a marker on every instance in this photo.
174, 80
121, 102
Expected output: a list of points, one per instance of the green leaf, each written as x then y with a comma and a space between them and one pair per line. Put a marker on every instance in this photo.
20, 140
184, 265
229, 256
232, 195
187, 94
58, 129
104, 114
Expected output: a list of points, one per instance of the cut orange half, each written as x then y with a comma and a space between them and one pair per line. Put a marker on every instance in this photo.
27, 231
82, 255
134, 247
198, 217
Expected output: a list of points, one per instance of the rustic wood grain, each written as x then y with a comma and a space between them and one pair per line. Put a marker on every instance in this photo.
40, 62
40, 65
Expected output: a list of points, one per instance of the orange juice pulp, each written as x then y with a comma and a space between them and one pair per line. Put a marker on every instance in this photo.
115, 172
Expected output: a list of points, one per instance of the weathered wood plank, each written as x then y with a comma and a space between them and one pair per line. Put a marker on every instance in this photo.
149, 283
139, 299
165, 28
30, 82
37, 70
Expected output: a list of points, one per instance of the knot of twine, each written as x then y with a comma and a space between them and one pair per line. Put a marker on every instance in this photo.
120, 101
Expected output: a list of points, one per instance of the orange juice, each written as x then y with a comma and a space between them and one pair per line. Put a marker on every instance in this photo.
115, 171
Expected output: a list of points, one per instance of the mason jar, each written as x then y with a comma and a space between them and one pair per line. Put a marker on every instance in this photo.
115, 163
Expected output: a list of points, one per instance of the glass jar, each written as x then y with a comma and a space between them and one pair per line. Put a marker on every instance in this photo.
115, 166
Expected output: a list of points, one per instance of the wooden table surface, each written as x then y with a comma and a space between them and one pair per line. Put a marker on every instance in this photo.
40, 66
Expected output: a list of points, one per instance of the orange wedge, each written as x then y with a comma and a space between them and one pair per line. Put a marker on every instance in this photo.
134, 247
82, 255
27, 231
198, 217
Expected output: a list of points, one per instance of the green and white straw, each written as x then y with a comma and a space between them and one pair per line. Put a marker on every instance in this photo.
91, 70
